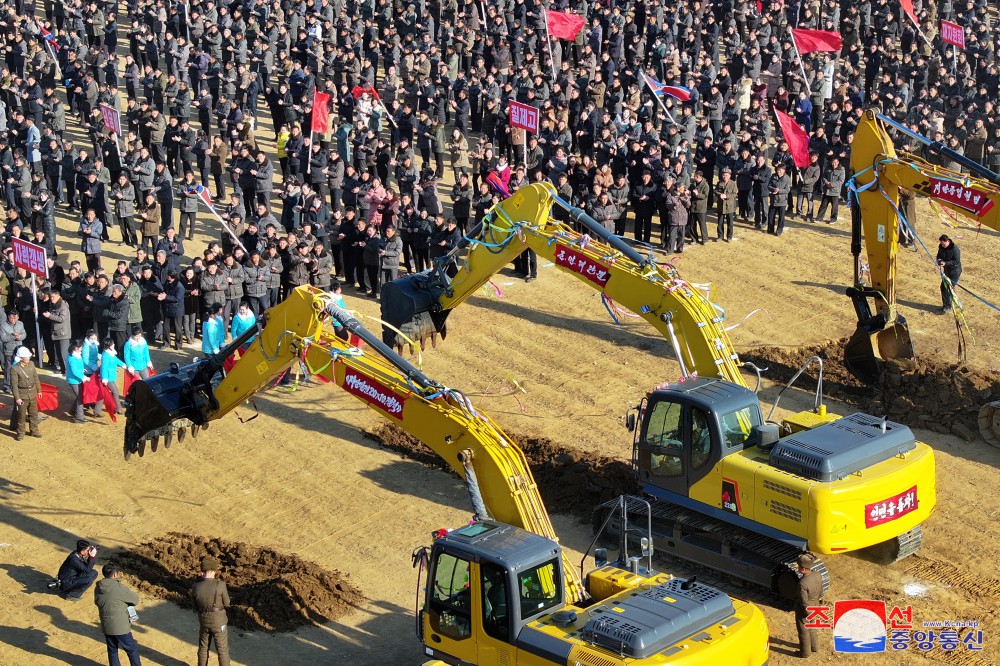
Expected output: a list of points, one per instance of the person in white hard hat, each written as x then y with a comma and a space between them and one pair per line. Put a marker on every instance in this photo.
26, 389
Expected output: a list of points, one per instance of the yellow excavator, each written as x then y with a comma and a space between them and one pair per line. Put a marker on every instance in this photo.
500, 590
880, 172
729, 493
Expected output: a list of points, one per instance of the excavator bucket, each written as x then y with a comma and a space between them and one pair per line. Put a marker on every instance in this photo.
410, 306
867, 351
160, 405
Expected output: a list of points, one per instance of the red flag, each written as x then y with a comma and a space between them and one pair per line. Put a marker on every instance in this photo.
321, 112
47, 36
798, 140
907, 6
110, 406
807, 41
91, 390
205, 195
129, 379
563, 25
95, 390
358, 91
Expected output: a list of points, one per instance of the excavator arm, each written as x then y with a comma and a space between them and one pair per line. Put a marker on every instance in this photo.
880, 172
495, 470
419, 304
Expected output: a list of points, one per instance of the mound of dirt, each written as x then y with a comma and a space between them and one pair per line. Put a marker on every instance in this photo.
569, 480
942, 397
269, 591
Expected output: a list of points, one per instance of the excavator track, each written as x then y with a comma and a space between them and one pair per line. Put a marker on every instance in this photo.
907, 543
731, 553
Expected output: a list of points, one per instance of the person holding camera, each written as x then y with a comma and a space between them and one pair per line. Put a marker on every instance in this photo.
77, 572
116, 608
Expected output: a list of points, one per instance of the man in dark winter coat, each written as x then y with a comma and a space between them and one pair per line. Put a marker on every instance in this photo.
77, 571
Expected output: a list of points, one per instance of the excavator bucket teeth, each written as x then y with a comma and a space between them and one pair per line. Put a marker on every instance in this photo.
866, 353
144, 412
180, 394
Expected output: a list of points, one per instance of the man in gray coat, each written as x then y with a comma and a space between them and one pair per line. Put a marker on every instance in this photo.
832, 181
123, 196
11, 337
807, 188
90, 233
778, 188
114, 605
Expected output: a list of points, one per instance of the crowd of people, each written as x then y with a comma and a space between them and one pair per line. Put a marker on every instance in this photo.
410, 91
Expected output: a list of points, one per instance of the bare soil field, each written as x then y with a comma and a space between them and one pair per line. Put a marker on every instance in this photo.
304, 481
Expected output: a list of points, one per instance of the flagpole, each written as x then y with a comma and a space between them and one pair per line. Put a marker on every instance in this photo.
548, 38
657, 98
919, 31
802, 67
225, 226
312, 124
55, 60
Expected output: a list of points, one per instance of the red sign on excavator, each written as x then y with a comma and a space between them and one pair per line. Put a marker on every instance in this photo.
578, 262
956, 194
374, 393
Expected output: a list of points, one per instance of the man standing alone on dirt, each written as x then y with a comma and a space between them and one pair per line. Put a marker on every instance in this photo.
211, 599
810, 590
114, 602
949, 259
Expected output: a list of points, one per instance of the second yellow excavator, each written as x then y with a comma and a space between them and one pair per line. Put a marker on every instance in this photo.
880, 172
729, 493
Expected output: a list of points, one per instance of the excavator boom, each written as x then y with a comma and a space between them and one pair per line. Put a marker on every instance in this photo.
682, 312
496, 472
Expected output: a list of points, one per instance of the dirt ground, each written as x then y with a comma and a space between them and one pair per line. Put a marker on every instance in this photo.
304, 481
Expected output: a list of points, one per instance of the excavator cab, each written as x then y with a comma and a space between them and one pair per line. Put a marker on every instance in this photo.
495, 595
686, 429
485, 583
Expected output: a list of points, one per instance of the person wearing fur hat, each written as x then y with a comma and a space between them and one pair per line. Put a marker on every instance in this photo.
211, 599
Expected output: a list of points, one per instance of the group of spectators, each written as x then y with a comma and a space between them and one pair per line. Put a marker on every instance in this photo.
418, 93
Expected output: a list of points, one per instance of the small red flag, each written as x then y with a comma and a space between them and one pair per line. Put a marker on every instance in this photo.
807, 41
129, 380
907, 6
320, 112
798, 140
110, 406
91, 392
564, 25
358, 91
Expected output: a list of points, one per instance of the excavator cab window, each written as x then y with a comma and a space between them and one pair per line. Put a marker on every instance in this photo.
701, 439
540, 588
496, 611
739, 426
665, 439
451, 596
